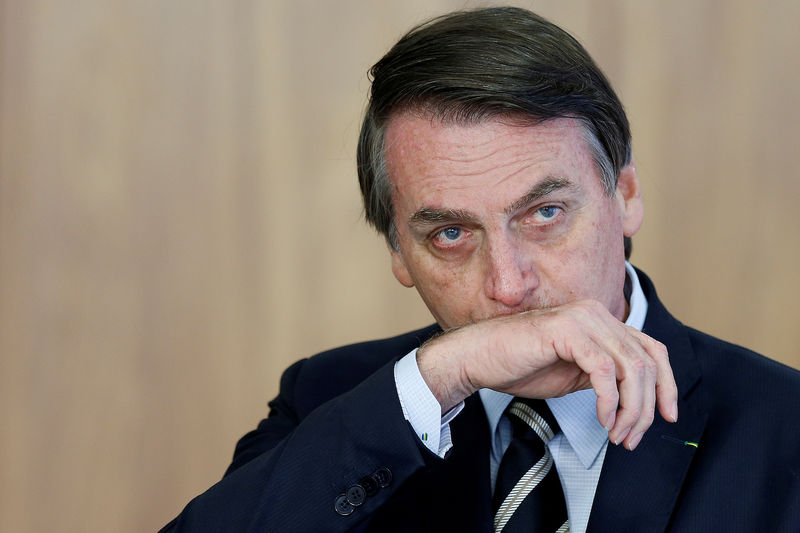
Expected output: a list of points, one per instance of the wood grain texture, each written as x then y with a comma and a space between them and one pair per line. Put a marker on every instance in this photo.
179, 216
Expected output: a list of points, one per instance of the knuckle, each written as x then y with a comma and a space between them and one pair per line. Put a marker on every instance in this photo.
606, 367
612, 397
660, 350
638, 366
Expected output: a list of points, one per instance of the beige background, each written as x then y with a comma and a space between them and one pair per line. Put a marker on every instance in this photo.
179, 216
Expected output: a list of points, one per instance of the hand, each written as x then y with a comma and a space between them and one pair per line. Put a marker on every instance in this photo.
551, 352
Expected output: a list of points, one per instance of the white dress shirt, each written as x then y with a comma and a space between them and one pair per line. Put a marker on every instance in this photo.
578, 449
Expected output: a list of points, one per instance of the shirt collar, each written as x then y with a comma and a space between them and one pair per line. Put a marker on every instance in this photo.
576, 413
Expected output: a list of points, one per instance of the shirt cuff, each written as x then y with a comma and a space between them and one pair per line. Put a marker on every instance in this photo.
421, 408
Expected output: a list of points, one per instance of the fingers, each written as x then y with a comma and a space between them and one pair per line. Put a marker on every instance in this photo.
637, 405
561, 347
666, 388
631, 375
645, 380
603, 378
666, 391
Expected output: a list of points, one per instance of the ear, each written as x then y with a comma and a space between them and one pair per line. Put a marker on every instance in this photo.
400, 270
629, 194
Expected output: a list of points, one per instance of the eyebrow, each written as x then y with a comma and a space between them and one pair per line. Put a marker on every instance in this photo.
542, 188
432, 216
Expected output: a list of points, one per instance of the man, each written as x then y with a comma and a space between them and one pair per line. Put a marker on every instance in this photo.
495, 158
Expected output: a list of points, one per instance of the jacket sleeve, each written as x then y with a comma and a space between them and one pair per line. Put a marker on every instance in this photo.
301, 472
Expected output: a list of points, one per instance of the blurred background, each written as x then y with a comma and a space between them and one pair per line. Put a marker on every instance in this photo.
180, 219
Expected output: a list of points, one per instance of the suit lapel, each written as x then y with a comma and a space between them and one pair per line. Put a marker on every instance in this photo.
638, 490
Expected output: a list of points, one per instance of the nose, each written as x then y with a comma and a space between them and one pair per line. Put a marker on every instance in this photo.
509, 276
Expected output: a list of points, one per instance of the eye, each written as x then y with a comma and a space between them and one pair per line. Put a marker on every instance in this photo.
448, 236
546, 213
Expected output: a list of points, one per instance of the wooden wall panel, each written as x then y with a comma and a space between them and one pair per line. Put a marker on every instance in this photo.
179, 216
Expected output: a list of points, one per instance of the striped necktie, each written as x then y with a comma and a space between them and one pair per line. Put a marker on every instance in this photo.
528, 495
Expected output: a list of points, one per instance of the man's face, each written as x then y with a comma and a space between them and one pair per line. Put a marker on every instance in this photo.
497, 218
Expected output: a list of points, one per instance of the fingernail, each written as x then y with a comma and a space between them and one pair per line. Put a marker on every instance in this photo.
621, 436
634, 441
610, 421
674, 412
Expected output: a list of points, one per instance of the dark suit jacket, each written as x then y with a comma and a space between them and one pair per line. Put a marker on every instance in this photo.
338, 420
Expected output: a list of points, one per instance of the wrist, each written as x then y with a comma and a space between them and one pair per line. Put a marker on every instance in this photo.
441, 362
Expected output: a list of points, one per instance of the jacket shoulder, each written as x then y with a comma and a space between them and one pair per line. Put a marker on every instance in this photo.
738, 364
336, 371
746, 390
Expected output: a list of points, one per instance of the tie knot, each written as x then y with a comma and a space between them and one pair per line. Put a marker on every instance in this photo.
528, 415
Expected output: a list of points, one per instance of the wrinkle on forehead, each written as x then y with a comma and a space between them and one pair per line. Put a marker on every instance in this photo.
466, 151
470, 143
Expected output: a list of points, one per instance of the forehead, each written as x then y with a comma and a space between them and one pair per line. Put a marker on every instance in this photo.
437, 164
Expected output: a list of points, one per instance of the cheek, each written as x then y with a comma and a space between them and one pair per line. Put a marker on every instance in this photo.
449, 291
583, 259
602, 258
441, 279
